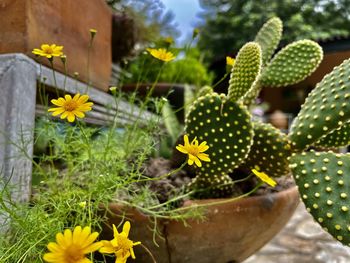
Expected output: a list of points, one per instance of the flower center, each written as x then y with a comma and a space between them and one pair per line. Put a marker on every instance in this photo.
70, 105
48, 50
193, 150
73, 254
124, 243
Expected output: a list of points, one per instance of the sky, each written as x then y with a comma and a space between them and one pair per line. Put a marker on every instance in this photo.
185, 15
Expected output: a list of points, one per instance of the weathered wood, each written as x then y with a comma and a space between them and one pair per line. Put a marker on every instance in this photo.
26, 24
18, 76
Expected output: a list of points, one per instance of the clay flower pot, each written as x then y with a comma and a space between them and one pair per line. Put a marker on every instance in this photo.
231, 232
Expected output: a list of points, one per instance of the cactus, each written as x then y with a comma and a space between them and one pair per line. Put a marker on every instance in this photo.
292, 64
324, 183
322, 176
245, 70
224, 122
268, 38
270, 150
235, 139
289, 66
338, 138
326, 108
227, 128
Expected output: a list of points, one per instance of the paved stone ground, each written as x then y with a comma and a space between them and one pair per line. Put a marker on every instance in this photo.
302, 241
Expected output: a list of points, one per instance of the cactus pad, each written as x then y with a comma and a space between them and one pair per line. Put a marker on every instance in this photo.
337, 138
325, 109
270, 150
324, 186
292, 64
227, 128
268, 38
245, 70
218, 186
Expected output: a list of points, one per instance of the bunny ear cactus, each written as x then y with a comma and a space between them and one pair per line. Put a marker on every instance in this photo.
289, 66
268, 38
292, 64
245, 70
324, 183
340, 137
270, 150
323, 178
226, 127
325, 109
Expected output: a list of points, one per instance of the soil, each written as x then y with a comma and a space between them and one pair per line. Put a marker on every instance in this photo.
177, 181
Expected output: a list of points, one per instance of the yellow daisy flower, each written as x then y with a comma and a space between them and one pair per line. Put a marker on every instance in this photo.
194, 151
230, 61
161, 54
265, 178
70, 107
72, 247
48, 51
120, 245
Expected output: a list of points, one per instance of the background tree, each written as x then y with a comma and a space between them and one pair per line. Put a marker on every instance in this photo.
151, 18
231, 23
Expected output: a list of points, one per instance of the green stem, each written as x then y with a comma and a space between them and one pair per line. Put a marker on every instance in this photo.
221, 80
87, 145
162, 176
54, 77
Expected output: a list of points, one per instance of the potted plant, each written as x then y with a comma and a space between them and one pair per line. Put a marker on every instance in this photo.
221, 126
95, 178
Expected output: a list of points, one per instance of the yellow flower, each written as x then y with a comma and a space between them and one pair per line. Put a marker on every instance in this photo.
265, 178
82, 204
93, 31
72, 247
194, 151
71, 107
230, 61
161, 54
169, 40
48, 51
120, 245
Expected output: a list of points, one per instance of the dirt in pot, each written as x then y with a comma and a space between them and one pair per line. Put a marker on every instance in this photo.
169, 186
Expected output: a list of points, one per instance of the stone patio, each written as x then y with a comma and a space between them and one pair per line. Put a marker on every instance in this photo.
302, 240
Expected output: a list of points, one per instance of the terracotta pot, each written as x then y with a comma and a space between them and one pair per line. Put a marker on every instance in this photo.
231, 232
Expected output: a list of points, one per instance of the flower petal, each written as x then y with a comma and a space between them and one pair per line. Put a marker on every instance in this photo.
187, 142
70, 116
68, 236
61, 240
107, 247
93, 247
84, 98
182, 149
79, 114
68, 97
64, 115
126, 228
58, 102
76, 97
203, 147
54, 247
91, 238
203, 157
77, 230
